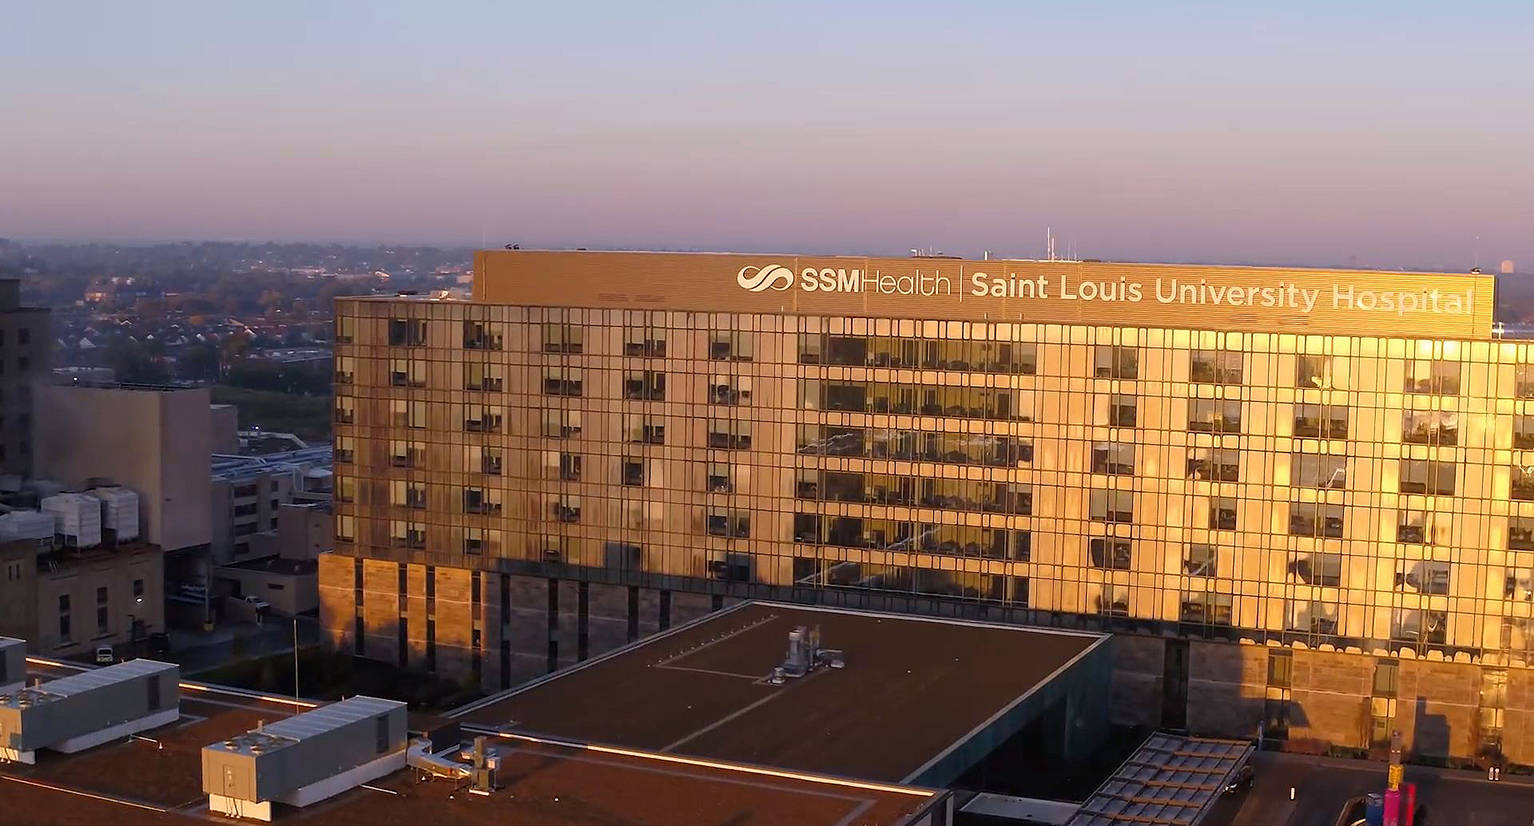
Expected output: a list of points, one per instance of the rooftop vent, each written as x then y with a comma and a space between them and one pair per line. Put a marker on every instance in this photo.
805, 654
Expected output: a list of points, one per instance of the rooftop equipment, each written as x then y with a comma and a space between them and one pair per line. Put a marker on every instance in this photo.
13, 665
305, 759
476, 764
805, 655
83, 710
32, 526
76, 517
119, 512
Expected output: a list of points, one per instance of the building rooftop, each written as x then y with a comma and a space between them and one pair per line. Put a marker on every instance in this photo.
156, 780
912, 690
233, 468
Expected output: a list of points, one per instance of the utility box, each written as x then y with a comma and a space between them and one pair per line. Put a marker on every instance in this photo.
13, 665
306, 758
83, 710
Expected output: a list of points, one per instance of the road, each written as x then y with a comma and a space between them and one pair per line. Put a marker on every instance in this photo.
1323, 785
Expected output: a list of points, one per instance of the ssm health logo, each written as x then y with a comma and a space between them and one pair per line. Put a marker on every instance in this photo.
761, 279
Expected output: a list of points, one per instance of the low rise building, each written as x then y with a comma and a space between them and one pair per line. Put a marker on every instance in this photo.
70, 601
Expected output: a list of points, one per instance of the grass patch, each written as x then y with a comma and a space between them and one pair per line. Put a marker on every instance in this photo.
306, 416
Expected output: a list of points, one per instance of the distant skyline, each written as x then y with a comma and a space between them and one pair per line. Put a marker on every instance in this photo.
1386, 135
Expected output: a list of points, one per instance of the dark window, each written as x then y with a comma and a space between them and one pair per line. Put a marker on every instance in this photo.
1385, 678
152, 692
1280, 668
23, 336
1110, 553
138, 587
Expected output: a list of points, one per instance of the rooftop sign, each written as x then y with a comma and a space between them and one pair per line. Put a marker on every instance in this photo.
1201, 297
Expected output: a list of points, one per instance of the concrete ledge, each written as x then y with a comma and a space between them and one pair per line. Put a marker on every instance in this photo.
117, 732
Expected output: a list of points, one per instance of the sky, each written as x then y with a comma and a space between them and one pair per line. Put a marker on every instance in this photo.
1377, 134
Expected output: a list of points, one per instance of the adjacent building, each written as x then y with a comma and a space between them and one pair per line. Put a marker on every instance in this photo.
71, 601
25, 353
1303, 499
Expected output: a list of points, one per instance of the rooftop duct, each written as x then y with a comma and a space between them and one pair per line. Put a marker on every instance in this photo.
805, 655
83, 710
305, 759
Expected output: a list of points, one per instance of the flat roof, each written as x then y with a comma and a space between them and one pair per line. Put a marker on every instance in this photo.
1170, 780
157, 781
913, 689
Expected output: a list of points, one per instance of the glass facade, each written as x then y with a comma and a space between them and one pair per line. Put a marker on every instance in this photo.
1359, 491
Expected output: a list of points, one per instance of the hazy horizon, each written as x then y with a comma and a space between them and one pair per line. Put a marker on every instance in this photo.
1377, 136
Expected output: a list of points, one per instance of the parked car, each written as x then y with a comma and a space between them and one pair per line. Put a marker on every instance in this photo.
159, 644
105, 655
258, 603
1240, 781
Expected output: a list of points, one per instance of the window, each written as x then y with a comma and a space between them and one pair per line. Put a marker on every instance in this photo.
733, 345
101, 611
481, 376
407, 332
807, 527
345, 450
721, 477
1113, 600
481, 335
562, 337
1313, 470
1311, 617
481, 500
1215, 367
1205, 608
479, 419
1222, 513
1214, 416
1122, 411
570, 467
1523, 432
1523, 483
1280, 668
407, 454
561, 424
1113, 505
1420, 627
809, 348
407, 373
1201, 560
23, 335
1425, 577
644, 341
729, 434
1317, 569
346, 528
729, 390
1427, 476
346, 410
64, 636
489, 462
346, 329
568, 509
1434, 376
1115, 362
1109, 552
1321, 421
1422, 528
1314, 371
1315, 519
644, 429
562, 381
404, 413
407, 534
346, 369
1116, 458
1523, 381
735, 524
644, 384
475, 540
633, 471
1520, 533
407, 494
1217, 464
1431, 427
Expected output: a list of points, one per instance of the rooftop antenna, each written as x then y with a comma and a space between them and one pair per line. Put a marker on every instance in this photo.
1049, 243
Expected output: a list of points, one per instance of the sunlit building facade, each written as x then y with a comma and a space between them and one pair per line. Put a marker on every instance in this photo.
1304, 498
